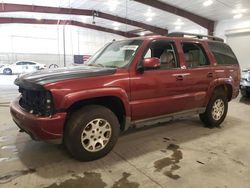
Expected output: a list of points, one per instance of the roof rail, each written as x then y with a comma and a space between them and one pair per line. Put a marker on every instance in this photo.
198, 36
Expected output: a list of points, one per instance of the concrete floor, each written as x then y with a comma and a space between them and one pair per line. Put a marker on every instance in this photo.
181, 153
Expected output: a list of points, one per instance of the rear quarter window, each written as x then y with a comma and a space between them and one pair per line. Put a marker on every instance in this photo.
222, 53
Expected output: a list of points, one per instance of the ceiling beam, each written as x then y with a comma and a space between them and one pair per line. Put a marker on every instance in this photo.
202, 21
6, 20
6, 7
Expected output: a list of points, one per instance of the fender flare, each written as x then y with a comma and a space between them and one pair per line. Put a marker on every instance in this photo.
72, 98
215, 83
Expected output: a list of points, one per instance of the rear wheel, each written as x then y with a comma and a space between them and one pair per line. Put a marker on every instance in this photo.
91, 132
216, 110
7, 71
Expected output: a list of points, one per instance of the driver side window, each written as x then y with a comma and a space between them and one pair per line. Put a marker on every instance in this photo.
165, 51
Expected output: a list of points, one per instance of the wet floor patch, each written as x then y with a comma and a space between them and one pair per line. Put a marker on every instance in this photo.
9, 147
125, 183
171, 162
90, 179
4, 138
15, 174
8, 159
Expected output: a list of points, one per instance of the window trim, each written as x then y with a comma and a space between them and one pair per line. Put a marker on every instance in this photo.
202, 49
212, 53
177, 55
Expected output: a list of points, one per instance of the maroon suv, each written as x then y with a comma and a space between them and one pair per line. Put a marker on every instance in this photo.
136, 81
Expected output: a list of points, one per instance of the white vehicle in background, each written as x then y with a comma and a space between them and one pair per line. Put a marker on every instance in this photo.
22, 67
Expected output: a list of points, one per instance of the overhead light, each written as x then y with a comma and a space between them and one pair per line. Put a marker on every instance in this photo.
207, 3
116, 24
179, 22
83, 19
116, 28
178, 27
112, 4
149, 19
38, 17
142, 34
239, 10
237, 16
149, 13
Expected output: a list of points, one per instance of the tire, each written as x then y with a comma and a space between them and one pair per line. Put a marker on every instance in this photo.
7, 71
210, 118
85, 126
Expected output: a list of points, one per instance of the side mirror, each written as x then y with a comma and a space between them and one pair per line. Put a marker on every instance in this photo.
151, 63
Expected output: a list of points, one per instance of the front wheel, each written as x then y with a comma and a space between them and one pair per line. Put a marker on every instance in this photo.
7, 71
216, 110
91, 132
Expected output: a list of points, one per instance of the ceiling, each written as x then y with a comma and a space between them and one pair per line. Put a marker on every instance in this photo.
218, 10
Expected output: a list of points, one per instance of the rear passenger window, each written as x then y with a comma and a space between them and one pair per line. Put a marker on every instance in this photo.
194, 55
222, 53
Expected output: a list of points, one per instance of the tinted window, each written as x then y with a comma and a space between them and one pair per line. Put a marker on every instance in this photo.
222, 53
19, 63
194, 55
165, 51
30, 63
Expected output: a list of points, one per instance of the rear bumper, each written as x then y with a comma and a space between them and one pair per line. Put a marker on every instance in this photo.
49, 129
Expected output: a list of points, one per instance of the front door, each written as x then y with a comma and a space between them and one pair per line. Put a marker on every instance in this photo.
157, 92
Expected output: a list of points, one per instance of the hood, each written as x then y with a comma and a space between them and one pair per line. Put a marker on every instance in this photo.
35, 80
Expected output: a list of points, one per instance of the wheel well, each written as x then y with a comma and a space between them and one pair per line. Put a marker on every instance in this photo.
113, 103
225, 88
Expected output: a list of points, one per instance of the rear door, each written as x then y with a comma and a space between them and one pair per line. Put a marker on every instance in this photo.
198, 74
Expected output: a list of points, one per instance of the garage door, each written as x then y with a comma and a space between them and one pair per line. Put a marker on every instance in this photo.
240, 43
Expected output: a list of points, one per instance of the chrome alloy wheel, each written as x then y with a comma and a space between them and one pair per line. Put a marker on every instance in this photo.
218, 109
96, 135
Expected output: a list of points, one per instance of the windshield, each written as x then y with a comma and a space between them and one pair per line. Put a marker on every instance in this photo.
116, 54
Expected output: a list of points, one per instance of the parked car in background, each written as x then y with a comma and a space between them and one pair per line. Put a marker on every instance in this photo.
2, 65
245, 83
21, 67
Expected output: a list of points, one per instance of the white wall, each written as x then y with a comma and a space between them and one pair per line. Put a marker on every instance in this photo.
236, 33
224, 26
48, 39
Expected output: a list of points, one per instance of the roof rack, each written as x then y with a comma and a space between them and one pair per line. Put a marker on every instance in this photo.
198, 36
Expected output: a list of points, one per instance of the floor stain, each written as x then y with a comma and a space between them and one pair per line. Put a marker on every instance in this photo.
171, 162
15, 174
4, 138
9, 147
238, 162
168, 139
90, 179
200, 162
125, 183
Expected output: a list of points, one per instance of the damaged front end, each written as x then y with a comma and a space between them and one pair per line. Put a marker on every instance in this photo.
35, 99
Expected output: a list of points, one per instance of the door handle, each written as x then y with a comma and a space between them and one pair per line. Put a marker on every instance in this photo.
179, 77
210, 75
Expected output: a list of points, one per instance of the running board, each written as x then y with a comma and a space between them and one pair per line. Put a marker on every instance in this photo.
166, 118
